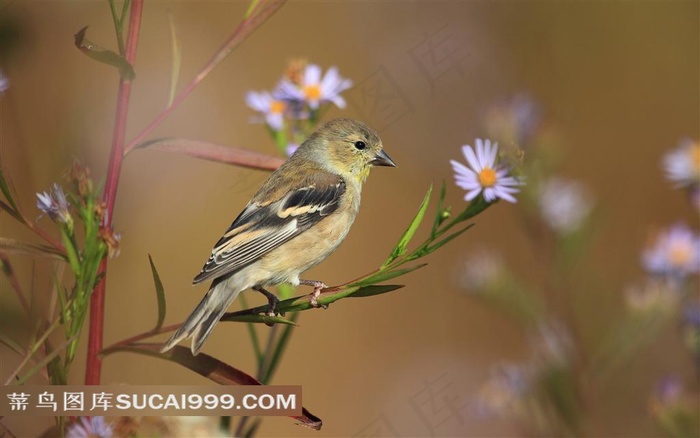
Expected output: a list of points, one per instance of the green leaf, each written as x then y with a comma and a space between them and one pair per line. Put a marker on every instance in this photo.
12, 246
251, 7
250, 433
279, 350
71, 252
160, 294
447, 239
387, 275
368, 291
252, 333
259, 318
209, 367
177, 58
5, 187
14, 213
405, 239
440, 214
105, 56
12, 344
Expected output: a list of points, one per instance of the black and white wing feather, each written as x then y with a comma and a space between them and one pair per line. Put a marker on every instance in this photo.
261, 228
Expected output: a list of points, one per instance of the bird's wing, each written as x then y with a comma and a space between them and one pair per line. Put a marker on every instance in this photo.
261, 228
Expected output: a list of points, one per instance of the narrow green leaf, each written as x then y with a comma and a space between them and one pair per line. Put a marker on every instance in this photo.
250, 433
260, 318
117, 26
439, 215
401, 246
12, 246
368, 291
176, 50
447, 239
14, 213
251, 7
125, 8
5, 187
387, 275
71, 252
12, 344
105, 56
160, 294
254, 340
279, 350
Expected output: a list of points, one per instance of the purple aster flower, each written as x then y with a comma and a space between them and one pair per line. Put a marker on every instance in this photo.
564, 204
504, 392
314, 88
89, 427
483, 173
682, 165
676, 252
55, 204
271, 108
515, 120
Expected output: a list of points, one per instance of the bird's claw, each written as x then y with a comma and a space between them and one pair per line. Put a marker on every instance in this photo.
314, 299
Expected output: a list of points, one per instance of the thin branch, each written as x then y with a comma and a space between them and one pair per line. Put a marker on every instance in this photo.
10, 273
264, 10
31, 352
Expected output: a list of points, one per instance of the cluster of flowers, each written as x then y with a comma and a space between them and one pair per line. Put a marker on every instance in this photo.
56, 206
564, 207
298, 97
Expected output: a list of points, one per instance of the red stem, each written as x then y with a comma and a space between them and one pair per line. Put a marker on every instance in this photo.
94, 363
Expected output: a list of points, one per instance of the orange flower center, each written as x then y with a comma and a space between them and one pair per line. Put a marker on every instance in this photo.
487, 177
679, 254
312, 92
277, 107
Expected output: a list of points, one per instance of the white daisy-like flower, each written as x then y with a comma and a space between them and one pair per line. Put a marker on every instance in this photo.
272, 108
315, 89
564, 204
676, 253
682, 165
483, 173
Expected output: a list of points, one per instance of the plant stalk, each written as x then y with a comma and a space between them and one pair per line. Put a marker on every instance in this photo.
93, 369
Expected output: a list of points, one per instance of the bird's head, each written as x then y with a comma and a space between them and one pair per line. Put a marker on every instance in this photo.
348, 148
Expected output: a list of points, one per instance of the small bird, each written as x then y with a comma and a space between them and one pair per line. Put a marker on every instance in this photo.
298, 218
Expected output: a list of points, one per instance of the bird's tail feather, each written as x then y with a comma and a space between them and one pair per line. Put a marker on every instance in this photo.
202, 320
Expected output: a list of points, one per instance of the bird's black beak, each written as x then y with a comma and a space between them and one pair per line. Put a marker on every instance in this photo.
382, 159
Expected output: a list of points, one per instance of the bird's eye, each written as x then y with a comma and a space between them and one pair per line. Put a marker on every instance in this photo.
359, 144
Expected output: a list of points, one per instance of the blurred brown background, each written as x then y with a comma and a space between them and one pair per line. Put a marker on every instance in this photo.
618, 80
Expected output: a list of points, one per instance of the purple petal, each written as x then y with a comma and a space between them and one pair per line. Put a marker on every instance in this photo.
312, 75
471, 158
